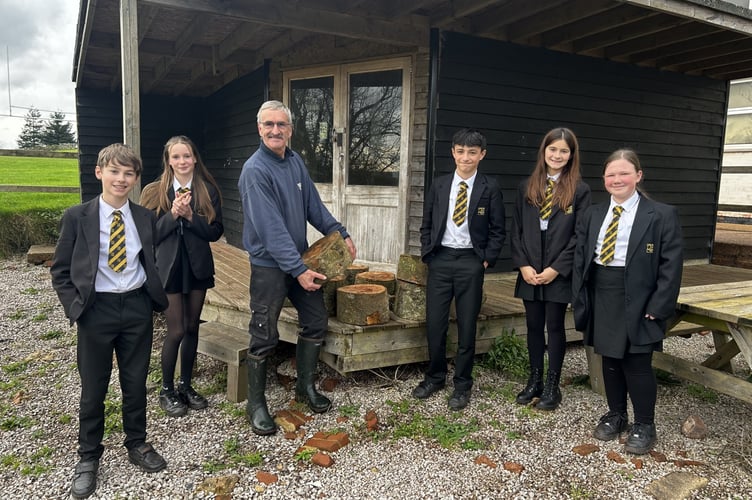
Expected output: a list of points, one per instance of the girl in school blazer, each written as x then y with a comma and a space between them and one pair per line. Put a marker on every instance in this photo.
625, 290
188, 205
548, 205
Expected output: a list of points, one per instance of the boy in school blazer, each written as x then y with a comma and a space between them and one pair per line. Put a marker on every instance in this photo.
458, 251
112, 309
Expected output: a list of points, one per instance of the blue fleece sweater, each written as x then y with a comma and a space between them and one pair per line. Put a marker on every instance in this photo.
278, 198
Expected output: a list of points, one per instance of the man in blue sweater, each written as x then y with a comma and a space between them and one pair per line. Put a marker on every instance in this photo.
279, 199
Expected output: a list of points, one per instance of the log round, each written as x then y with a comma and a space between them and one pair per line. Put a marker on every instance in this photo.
411, 268
410, 301
330, 293
383, 278
362, 304
328, 255
353, 270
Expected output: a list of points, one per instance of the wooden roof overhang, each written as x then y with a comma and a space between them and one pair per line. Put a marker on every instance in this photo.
195, 47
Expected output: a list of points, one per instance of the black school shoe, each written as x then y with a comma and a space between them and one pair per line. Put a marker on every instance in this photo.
190, 397
640, 439
610, 426
84, 479
147, 458
172, 403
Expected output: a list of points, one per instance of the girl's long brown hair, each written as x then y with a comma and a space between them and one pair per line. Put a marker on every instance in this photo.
154, 196
570, 174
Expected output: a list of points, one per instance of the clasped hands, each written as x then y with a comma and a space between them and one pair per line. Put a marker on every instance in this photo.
532, 277
181, 207
307, 278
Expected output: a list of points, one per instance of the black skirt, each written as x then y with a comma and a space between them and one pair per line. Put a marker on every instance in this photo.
559, 290
182, 280
609, 321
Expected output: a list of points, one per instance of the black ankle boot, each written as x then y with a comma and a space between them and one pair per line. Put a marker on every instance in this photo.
258, 413
551, 396
533, 389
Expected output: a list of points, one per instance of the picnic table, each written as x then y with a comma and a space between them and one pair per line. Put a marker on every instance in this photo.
726, 310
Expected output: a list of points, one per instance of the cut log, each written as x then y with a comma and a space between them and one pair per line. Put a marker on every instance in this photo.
410, 301
353, 270
362, 304
383, 278
411, 269
328, 255
330, 293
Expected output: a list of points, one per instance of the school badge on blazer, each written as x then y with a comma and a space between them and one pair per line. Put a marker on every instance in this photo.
481, 211
649, 248
569, 210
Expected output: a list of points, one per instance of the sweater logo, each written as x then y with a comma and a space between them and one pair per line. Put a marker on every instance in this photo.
300, 187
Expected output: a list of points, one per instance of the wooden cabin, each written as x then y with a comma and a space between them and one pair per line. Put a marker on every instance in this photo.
378, 88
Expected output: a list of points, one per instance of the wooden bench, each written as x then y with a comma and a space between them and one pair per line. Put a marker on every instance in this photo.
228, 345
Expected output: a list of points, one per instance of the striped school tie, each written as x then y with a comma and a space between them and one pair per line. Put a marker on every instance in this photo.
116, 255
608, 249
460, 206
547, 207
184, 190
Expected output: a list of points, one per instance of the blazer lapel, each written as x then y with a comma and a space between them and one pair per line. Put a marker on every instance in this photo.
478, 188
642, 221
599, 213
90, 230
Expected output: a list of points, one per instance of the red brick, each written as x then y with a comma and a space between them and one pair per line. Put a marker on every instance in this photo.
328, 384
514, 467
328, 442
484, 460
322, 460
291, 420
266, 477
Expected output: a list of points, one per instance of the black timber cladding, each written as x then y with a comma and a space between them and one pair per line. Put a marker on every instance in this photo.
516, 94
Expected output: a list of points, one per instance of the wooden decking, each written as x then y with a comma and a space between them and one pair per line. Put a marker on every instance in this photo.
350, 348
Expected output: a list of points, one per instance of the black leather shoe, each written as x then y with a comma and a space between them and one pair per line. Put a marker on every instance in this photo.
426, 389
459, 400
85, 479
610, 426
640, 439
190, 397
145, 457
172, 403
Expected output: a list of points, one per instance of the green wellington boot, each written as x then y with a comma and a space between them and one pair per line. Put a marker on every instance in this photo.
307, 356
258, 413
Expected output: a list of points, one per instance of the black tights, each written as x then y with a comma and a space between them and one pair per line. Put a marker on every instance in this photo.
183, 316
631, 375
550, 315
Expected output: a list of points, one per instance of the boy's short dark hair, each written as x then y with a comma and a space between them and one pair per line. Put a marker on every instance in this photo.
469, 137
120, 154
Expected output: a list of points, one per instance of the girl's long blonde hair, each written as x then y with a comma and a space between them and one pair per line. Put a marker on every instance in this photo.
154, 196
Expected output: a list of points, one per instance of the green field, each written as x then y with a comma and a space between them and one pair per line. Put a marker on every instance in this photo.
22, 171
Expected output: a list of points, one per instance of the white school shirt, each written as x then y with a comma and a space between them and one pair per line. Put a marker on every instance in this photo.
622, 234
555, 178
133, 276
458, 236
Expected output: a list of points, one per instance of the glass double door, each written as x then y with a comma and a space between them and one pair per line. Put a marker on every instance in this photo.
350, 125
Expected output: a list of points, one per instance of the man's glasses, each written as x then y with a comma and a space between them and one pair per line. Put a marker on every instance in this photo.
270, 125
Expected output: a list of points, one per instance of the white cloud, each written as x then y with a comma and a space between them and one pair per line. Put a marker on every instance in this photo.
38, 37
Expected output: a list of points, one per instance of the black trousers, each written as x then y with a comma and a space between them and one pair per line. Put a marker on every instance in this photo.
269, 288
454, 274
120, 323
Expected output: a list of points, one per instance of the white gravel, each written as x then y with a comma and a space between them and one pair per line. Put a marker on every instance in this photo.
39, 391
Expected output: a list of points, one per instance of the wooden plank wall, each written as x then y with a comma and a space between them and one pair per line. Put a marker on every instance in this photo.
230, 137
516, 94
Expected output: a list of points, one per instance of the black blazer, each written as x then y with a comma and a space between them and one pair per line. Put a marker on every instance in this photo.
196, 235
76, 260
525, 241
485, 214
652, 274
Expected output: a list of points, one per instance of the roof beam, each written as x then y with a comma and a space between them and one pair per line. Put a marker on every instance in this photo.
413, 33
555, 17
659, 39
627, 31
721, 16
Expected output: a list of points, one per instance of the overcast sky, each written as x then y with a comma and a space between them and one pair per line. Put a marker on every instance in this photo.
39, 37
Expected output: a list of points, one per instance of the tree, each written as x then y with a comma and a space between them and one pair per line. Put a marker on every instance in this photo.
56, 131
31, 135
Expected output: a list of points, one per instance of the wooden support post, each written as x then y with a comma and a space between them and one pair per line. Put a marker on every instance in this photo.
595, 369
129, 70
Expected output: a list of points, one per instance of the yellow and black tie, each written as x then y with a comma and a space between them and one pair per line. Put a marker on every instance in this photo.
116, 255
460, 207
548, 198
184, 190
608, 249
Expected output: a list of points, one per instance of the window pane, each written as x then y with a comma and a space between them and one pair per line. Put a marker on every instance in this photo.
375, 128
312, 106
740, 95
739, 129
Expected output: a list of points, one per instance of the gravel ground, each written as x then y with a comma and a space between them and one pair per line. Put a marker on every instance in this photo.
40, 390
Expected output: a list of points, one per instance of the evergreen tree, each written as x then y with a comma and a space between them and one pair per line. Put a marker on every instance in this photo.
56, 131
31, 135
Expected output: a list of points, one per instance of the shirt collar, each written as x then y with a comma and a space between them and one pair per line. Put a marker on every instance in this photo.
628, 205
106, 209
176, 185
469, 181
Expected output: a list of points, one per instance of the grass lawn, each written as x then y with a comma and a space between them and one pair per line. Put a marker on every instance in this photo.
23, 171
25, 202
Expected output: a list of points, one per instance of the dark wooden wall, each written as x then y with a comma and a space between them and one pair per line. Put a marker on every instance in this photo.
516, 94
230, 137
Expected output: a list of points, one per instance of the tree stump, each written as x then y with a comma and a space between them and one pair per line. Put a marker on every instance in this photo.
328, 255
362, 304
353, 270
411, 269
330, 293
410, 301
383, 278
